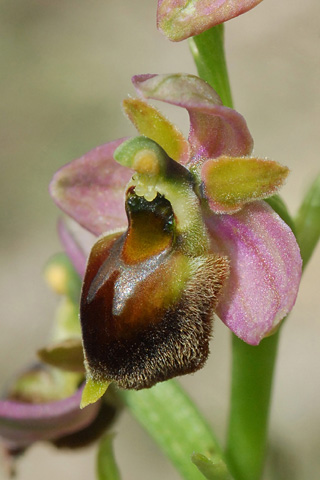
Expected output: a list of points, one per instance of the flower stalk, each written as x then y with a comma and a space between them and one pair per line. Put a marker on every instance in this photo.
252, 377
208, 52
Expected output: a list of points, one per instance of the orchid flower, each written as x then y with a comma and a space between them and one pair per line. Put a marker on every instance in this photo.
183, 233
180, 19
42, 403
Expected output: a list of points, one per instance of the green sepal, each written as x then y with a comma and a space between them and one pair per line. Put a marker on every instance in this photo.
66, 355
41, 384
106, 466
211, 469
308, 221
231, 182
93, 391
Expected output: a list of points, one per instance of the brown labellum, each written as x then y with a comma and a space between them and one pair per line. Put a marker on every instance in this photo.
146, 309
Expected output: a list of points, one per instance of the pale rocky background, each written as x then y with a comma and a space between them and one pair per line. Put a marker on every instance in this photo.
65, 68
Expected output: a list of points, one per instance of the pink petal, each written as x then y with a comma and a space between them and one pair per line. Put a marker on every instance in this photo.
265, 269
215, 130
180, 19
91, 189
23, 423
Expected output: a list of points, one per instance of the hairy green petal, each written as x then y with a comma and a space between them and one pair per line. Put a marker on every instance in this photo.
231, 182
151, 123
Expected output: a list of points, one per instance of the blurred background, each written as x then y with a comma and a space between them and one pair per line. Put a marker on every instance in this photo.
65, 68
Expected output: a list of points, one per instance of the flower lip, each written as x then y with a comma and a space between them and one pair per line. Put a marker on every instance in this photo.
146, 304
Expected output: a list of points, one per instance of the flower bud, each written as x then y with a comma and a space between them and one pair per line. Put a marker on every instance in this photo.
41, 405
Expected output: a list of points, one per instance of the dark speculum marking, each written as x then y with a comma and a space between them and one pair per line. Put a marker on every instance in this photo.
143, 320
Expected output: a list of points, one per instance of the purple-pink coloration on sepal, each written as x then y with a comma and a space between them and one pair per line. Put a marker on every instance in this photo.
180, 19
265, 269
91, 189
215, 130
23, 423
76, 251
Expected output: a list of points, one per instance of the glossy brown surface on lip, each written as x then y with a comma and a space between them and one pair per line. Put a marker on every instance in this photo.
125, 287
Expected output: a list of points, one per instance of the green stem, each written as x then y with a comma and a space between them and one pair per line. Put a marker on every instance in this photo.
106, 465
252, 374
208, 53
